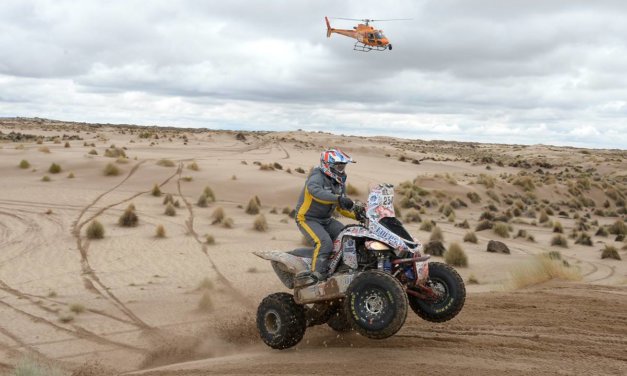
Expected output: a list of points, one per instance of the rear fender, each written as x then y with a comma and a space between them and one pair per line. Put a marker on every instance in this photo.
285, 261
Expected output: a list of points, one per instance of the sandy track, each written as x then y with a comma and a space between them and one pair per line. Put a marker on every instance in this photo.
555, 329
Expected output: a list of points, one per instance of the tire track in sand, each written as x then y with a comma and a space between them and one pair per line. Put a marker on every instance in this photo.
91, 280
239, 296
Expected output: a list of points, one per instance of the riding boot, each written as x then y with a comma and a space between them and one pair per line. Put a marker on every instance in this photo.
322, 268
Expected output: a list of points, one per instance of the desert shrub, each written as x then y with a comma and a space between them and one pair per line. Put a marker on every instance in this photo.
205, 304
299, 170
260, 223
455, 255
539, 269
70, 175
46, 178
543, 216
472, 280
252, 207
165, 163
66, 318
54, 168
168, 199
93, 152
486, 215
67, 145
484, 225
521, 234
493, 195
351, 190
618, 228
77, 308
209, 239
202, 201
228, 222
610, 252
501, 229
584, 239
31, 367
266, 167
160, 232
277, 166
473, 197
486, 180
218, 215
436, 234
24, 164
286, 210
156, 191
463, 224
446, 210
193, 166
557, 227
211, 197
187, 178
526, 182
412, 215
169, 210
470, 237
426, 226
111, 170
602, 231
44, 149
559, 241
114, 152
95, 230
128, 218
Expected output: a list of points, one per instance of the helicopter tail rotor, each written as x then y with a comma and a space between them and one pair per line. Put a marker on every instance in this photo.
328, 27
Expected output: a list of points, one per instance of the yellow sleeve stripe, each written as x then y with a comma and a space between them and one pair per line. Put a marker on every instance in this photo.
346, 213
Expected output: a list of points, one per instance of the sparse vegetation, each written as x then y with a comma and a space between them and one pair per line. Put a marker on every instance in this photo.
436, 234
202, 201
455, 256
128, 218
610, 252
46, 178
54, 168
473, 197
252, 207
114, 152
260, 223
208, 192
156, 191
93, 152
559, 241
557, 227
228, 222
193, 166
426, 226
169, 210
501, 229
205, 304
541, 268
470, 237
209, 239
160, 232
218, 215
32, 367
412, 215
584, 239
24, 164
472, 280
111, 170
77, 308
95, 230
70, 175
165, 163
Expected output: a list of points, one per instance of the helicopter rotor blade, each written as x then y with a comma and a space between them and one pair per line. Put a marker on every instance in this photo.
393, 19
349, 19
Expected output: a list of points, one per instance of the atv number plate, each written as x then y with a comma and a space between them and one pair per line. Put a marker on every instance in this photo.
422, 271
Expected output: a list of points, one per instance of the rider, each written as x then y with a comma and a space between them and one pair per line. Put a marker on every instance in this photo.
323, 193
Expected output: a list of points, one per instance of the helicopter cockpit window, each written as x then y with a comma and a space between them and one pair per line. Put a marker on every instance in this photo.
379, 35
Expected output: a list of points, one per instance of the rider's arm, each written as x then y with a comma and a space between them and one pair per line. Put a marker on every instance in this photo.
346, 213
317, 191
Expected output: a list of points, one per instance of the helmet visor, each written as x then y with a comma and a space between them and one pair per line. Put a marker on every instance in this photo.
339, 167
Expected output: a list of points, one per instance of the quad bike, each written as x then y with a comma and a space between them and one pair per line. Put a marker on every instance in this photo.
375, 271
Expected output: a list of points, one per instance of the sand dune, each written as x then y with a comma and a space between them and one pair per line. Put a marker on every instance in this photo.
131, 300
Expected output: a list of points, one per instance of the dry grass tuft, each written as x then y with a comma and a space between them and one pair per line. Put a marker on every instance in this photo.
165, 163
218, 215
77, 308
539, 269
111, 170
24, 164
54, 168
412, 215
202, 201
32, 367
501, 229
456, 256
228, 222
114, 152
436, 235
44, 149
252, 207
470, 237
193, 166
209, 239
559, 241
260, 223
610, 252
93, 152
128, 218
95, 230
70, 175
169, 210
472, 280
426, 226
66, 317
156, 191
46, 178
205, 304
557, 227
160, 232
211, 197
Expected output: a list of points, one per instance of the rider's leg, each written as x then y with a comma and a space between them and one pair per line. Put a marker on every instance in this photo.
334, 227
323, 245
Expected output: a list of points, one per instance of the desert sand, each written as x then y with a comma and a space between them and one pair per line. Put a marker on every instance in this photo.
135, 303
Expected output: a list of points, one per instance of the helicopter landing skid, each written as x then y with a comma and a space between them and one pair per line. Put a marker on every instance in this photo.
361, 47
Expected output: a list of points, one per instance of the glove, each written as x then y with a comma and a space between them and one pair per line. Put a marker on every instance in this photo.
345, 202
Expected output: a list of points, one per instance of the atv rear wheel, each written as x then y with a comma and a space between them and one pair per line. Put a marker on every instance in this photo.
339, 320
376, 304
280, 321
449, 285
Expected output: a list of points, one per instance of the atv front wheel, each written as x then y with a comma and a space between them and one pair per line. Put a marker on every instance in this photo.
280, 321
450, 290
376, 304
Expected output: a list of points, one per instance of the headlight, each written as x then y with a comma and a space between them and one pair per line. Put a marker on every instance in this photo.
374, 245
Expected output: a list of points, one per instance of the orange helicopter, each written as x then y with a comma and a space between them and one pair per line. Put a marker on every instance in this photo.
368, 38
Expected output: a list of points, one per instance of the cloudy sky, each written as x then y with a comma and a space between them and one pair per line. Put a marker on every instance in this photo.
516, 71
